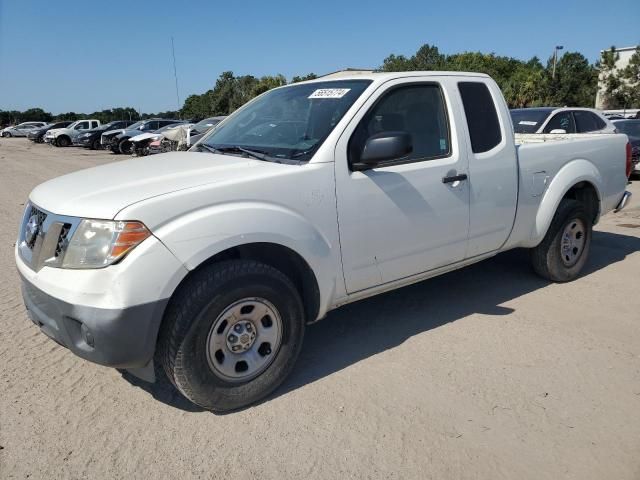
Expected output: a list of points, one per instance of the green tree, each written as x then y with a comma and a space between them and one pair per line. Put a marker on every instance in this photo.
526, 86
428, 57
630, 90
303, 78
575, 83
613, 92
267, 83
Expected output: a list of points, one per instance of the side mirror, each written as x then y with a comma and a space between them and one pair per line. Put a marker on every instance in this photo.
384, 146
558, 130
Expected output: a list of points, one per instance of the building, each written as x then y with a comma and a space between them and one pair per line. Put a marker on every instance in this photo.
625, 55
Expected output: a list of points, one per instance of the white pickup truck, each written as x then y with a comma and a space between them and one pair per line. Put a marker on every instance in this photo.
208, 264
63, 137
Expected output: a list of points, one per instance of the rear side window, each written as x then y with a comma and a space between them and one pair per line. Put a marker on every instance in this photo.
587, 122
482, 117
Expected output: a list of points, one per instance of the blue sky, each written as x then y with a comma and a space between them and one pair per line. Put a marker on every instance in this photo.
84, 56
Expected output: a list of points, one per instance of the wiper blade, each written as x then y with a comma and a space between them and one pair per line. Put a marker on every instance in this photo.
260, 155
207, 147
302, 153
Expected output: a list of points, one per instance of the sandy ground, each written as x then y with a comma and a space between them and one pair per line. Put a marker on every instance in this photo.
484, 373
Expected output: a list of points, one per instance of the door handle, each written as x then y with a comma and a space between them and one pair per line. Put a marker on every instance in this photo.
455, 178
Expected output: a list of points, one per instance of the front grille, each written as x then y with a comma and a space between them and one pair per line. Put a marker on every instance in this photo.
63, 240
44, 237
38, 217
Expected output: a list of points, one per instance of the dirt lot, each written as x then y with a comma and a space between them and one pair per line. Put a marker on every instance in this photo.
485, 373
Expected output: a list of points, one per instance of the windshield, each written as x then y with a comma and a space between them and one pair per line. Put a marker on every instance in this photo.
290, 122
631, 128
135, 125
528, 120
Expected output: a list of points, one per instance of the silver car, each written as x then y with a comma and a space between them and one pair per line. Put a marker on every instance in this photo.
22, 129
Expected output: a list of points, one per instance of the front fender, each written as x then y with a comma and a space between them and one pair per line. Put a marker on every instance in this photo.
57, 133
199, 235
572, 173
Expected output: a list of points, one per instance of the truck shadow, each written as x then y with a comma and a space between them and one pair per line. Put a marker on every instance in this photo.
357, 331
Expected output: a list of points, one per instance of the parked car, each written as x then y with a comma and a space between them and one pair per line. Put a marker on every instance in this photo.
203, 126
209, 263
37, 134
63, 137
560, 120
156, 142
21, 130
631, 127
91, 138
118, 140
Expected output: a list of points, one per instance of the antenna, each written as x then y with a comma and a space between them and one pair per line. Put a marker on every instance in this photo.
175, 72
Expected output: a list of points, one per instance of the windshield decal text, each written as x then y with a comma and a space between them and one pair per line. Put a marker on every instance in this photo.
329, 93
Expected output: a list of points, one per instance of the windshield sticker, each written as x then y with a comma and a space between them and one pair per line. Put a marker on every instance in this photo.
329, 93
527, 122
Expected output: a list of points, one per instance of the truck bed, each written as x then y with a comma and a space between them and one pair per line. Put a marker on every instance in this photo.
547, 161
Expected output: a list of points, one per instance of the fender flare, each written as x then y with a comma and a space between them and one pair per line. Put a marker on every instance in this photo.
571, 174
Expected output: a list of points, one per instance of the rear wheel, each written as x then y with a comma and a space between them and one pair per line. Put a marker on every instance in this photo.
564, 250
232, 334
96, 145
63, 141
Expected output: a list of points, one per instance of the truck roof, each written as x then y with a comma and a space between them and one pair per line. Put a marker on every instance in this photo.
352, 74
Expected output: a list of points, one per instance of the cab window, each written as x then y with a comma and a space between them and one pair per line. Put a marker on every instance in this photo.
418, 109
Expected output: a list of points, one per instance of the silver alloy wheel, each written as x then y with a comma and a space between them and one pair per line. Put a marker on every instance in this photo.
572, 242
244, 339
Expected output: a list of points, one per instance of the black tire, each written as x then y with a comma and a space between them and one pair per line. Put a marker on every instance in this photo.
96, 145
547, 258
6, 134
63, 141
191, 315
125, 146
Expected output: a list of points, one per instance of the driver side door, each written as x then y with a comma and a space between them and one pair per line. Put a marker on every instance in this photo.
405, 216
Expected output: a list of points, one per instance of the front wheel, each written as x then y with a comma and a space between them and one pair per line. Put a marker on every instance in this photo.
6, 134
564, 250
96, 145
232, 334
63, 141
125, 147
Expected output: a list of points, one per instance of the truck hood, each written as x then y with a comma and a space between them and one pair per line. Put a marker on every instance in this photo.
57, 131
101, 192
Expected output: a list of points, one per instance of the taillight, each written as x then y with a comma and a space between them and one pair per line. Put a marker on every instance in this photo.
629, 159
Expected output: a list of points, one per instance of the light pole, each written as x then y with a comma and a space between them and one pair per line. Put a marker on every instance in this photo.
555, 59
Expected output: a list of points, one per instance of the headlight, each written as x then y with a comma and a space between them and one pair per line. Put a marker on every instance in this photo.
98, 243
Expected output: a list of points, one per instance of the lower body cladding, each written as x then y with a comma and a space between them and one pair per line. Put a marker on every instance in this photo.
121, 338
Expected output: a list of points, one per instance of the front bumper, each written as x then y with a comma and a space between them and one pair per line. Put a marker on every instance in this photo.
110, 316
122, 338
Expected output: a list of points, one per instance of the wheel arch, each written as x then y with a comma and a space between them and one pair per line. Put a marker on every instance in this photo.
280, 257
579, 180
